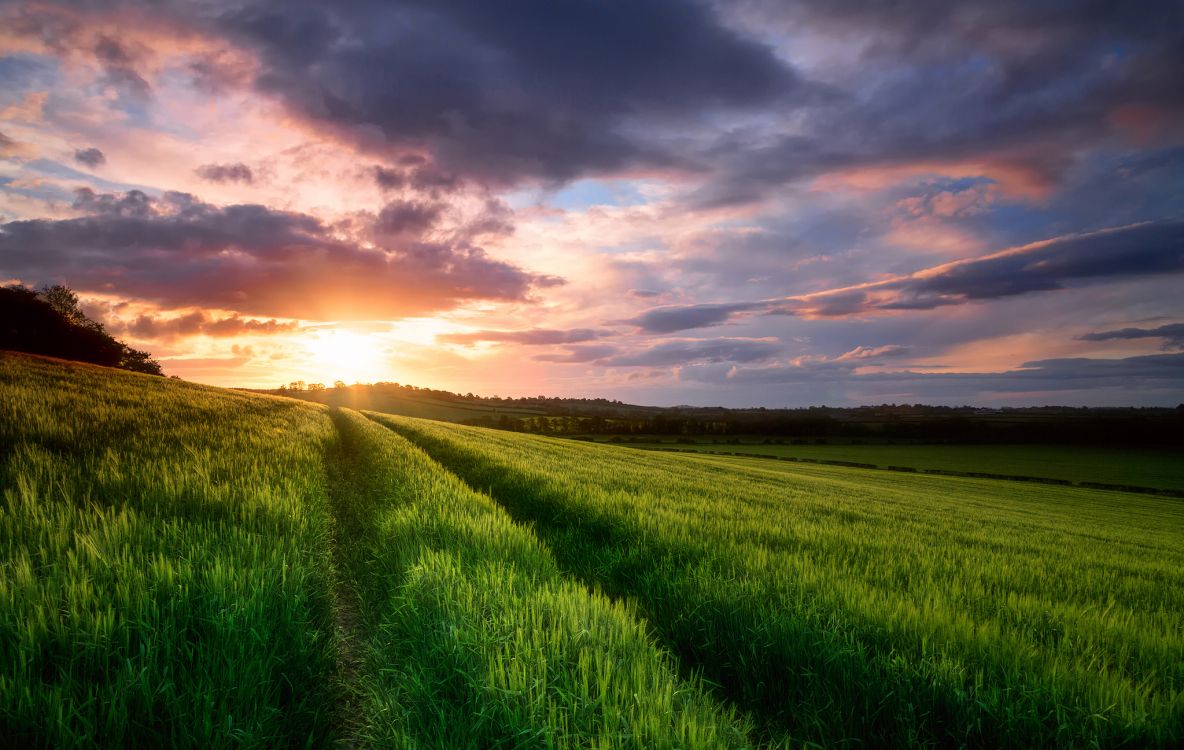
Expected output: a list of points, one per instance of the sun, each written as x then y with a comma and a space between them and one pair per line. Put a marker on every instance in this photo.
344, 355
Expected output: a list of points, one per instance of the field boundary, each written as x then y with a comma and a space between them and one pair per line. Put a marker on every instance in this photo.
1138, 489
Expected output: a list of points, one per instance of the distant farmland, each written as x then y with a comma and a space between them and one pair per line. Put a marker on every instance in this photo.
186, 566
1148, 467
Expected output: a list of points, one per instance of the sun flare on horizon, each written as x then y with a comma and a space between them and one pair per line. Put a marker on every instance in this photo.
346, 355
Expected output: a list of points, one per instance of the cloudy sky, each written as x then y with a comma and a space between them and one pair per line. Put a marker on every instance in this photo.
745, 202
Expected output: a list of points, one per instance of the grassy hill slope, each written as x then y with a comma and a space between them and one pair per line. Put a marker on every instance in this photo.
165, 556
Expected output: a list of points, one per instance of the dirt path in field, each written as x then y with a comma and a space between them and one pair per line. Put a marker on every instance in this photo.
347, 613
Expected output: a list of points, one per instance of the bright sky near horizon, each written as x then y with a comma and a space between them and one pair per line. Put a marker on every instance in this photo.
737, 203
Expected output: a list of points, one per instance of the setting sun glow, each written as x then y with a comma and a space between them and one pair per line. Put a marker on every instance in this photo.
345, 355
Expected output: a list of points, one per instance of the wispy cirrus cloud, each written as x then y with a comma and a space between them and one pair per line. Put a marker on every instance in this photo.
530, 337
1050, 265
579, 354
1172, 335
681, 352
672, 318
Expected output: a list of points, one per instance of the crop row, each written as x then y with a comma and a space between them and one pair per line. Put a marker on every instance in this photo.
846, 607
471, 635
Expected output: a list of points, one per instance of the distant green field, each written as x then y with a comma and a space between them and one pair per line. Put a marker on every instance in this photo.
184, 566
1161, 468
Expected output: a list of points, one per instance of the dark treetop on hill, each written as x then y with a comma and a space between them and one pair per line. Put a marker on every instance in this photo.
50, 322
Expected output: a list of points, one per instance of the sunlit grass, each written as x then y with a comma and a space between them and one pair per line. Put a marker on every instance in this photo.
163, 576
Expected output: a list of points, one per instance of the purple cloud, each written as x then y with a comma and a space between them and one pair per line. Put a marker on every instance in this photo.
696, 350
1172, 334
237, 172
683, 317
191, 324
1151, 248
178, 251
91, 157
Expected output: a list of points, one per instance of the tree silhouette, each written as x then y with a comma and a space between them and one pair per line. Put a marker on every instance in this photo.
51, 322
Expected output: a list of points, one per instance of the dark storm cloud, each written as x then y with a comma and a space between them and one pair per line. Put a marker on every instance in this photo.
531, 88
668, 353
502, 91
1172, 334
179, 251
1108, 255
1016, 88
928, 29
532, 337
237, 172
91, 157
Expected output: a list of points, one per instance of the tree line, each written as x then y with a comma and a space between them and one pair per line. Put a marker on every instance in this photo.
50, 321
1068, 426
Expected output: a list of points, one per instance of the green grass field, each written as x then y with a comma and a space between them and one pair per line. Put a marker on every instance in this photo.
845, 606
186, 566
1159, 468
165, 557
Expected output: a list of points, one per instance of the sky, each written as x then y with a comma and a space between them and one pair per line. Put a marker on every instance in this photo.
738, 203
